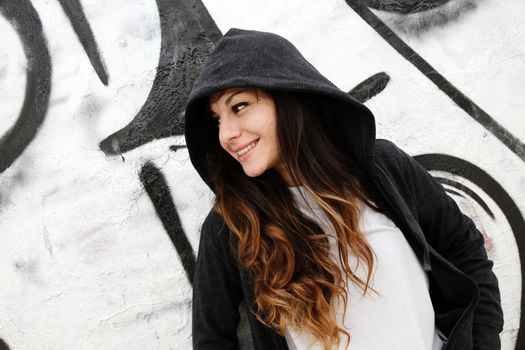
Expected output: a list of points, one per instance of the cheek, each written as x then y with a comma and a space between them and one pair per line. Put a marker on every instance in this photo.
222, 142
272, 132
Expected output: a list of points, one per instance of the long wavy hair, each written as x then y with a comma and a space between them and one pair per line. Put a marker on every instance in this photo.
297, 283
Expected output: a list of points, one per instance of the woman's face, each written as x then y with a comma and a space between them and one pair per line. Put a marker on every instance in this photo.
247, 128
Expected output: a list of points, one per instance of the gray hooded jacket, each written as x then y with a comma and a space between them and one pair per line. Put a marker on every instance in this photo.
463, 288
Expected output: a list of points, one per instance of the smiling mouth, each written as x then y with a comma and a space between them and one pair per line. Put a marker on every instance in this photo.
247, 149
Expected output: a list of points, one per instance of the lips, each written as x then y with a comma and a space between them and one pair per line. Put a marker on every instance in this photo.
243, 152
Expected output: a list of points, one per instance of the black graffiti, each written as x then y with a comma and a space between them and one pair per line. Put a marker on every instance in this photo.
175, 148
448, 190
187, 32
403, 6
462, 168
478, 114
25, 20
467, 191
417, 16
158, 191
81, 26
187, 35
370, 87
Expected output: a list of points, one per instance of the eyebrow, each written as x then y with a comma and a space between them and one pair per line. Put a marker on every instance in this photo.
229, 99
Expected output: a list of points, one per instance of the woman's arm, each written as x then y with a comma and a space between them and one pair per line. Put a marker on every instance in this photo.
216, 290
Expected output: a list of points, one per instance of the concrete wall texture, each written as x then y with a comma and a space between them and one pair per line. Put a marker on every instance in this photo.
100, 208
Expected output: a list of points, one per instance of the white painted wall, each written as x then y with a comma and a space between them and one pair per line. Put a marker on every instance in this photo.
85, 261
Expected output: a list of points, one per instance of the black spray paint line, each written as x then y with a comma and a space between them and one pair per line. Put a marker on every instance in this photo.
448, 190
468, 191
187, 35
175, 148
479, 115
78, 20
415, 17
370, 87
404, 7
26, 22
460, 167
158, 191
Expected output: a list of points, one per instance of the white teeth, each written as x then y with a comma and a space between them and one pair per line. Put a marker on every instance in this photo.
247, 148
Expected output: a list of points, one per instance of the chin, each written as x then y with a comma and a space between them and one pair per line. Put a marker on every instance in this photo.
253, 172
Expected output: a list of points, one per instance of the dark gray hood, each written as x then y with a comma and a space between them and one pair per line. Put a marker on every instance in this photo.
266, 60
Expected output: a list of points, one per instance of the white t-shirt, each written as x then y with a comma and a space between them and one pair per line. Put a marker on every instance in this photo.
400, 315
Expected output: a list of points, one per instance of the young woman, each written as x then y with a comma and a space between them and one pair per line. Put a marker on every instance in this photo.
332, 238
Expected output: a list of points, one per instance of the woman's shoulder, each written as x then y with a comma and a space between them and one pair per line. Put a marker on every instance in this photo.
214, 227
213, 220
397, 165
386, 150
390, 157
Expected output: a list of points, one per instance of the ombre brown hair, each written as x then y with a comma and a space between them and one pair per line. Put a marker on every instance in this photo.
297, 283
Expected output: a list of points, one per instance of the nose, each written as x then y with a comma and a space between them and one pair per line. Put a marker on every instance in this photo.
229, 130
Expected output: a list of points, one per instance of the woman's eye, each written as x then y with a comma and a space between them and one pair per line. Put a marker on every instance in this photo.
238, 107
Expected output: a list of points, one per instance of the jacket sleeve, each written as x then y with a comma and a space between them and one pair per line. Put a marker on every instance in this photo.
216, 290
456, 238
